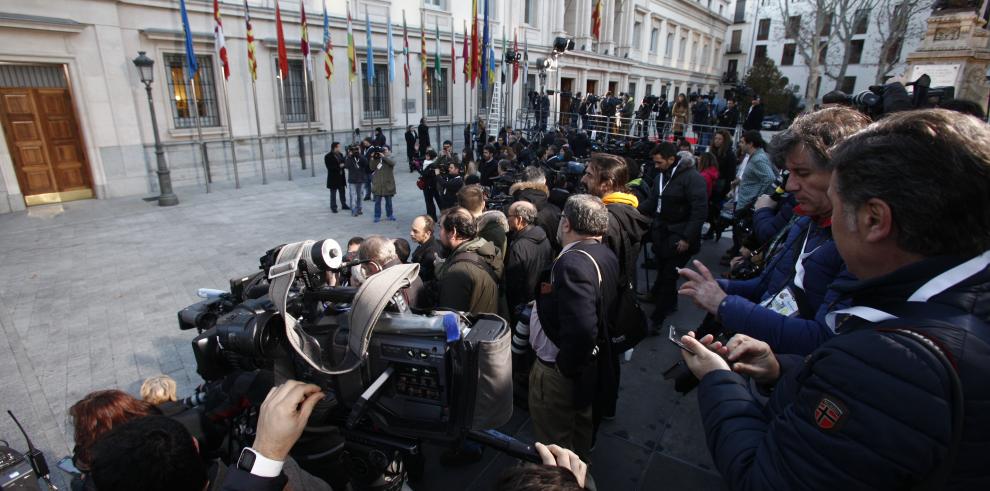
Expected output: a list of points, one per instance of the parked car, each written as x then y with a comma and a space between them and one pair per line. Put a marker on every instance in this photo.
776, 122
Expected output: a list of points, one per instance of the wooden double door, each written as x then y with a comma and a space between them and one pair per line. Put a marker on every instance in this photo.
45, 144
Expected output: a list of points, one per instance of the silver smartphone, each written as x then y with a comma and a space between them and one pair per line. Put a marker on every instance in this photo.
675, 337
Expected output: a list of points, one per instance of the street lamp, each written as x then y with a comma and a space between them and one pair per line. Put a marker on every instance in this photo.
146, 67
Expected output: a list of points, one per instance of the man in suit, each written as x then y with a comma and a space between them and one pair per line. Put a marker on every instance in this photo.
421, 232
336, 178
754, 118
570, 340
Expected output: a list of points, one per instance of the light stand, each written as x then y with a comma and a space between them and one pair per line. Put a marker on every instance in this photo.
145, 67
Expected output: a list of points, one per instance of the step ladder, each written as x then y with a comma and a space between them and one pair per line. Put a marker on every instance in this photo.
495, 108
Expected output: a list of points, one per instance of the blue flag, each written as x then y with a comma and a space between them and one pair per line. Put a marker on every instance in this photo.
486, 39
370, 75
391, 53
191, 64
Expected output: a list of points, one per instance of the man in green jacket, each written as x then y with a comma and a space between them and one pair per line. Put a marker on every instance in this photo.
382, 181
468, 279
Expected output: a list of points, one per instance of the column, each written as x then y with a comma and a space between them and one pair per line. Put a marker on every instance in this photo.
607, 42
583, 25
557, 18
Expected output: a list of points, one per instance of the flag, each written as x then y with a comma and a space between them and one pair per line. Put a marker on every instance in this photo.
475, 53
391, 54
327, 44
436, 55
515, 51
484, 52
219, 41
304, 41
369, 75
351, 56
283, 57
525, 60
505, 72
252, 62
191, 63
405, 48
491, 63
466, 56
596, 20
453, 55
422, 46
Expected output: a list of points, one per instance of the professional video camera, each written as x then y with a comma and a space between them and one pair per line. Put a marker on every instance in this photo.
392, 376
878, 100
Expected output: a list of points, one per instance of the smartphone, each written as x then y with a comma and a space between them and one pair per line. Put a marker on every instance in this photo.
675, 337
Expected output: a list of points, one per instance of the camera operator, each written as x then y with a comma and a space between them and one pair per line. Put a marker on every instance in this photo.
787, 304
357, 172
448, 184
429, 182
158, 453
909, 359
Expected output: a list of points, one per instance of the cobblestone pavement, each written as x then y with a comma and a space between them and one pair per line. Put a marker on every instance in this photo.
91, 290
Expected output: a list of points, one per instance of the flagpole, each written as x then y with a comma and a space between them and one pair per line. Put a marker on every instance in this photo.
423, 68
230, 131
330, 101
285, 125
309, 119
452, 77
257, 123
199, 134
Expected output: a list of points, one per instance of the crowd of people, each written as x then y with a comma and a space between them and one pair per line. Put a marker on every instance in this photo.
844, 347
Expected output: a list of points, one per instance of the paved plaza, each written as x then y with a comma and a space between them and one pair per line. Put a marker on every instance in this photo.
91, 290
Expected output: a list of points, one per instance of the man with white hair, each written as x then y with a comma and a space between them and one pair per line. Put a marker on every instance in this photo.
529, 254
380, 253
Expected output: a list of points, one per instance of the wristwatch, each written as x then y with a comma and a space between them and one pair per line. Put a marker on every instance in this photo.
254, 463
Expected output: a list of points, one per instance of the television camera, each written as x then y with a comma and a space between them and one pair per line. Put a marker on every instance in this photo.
392, 377
878, 100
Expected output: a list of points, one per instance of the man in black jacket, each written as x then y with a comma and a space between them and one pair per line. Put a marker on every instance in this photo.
530, 253
410, 147
336, 177
911, 356
679, 205
357, 172
533, 188
421, 232
424, 137
571, 339
488, 166
754, 118
729, 117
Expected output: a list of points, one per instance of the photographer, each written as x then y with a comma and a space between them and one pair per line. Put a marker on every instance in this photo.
448, 185
787, 304
382, 181
411, 147
357, 172
429, 182
896, 399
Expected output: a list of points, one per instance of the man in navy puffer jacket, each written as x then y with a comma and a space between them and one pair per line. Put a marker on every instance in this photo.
898, 400
786, 305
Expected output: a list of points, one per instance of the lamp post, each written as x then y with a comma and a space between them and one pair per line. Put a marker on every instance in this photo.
145, 67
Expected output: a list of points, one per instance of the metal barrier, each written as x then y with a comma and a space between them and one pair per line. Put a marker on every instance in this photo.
605, 128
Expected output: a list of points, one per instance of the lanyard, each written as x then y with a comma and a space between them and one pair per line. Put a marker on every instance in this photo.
933, 287
799, 265
663, 186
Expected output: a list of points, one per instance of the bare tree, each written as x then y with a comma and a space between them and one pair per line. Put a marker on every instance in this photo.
810, 30
852, 18
896, 20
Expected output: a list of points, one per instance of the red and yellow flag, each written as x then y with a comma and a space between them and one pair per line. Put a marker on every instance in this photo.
596, 20
252, 62
283, 57
219, 41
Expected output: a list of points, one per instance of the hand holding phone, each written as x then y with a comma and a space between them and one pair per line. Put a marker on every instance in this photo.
675, 337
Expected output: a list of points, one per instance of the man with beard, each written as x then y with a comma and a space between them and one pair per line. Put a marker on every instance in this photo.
468, 279
533, 188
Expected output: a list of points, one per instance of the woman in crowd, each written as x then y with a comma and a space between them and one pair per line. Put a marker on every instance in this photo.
98, 412
722, 149
679, 115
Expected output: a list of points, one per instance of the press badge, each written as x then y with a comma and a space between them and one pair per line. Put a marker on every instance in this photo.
782, 303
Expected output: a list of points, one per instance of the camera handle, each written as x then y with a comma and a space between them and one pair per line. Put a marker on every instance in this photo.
506, 444
369, 395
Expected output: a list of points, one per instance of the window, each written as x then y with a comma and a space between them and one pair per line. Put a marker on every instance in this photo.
682, 48
649, 89
663, 91
669, 48
733, 69
855, 51
763, 33
848, 85
530, 13
793, 26
704, 55
637, 39
827, 25
760, 52
893, 54
206, 92
632, 89
375, 102
437, 93
439, 4
654, 34
822, 53
735, 44
787, 58
862, 21
720, 9
293, 96
818, 86
694, 52
740, 11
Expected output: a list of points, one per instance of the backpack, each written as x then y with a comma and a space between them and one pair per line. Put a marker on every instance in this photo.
630, 324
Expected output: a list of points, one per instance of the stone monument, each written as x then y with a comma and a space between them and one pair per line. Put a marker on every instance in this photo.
955, 51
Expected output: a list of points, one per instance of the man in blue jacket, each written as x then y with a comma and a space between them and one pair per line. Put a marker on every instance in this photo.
898, 399
786, 304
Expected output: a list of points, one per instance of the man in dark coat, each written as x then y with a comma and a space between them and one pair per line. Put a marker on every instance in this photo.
488, 166
754, 118
729, 117
897, 399
533, 188
410, 147
424, 137
447, 187
336, 178
379, 139
468, 279
571, 339
529, 254
679, 206
357, 172
421, 232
